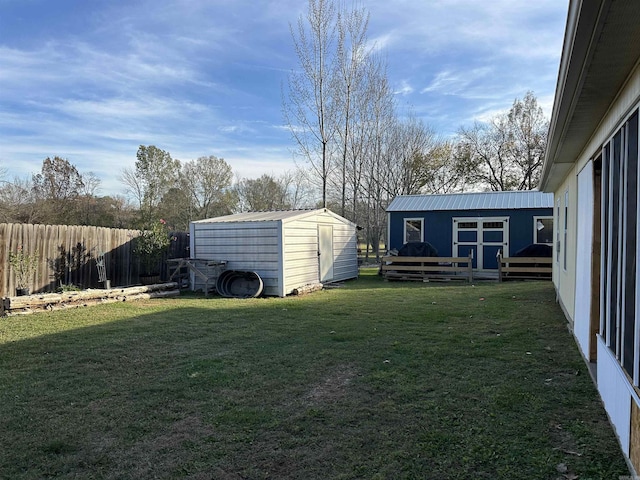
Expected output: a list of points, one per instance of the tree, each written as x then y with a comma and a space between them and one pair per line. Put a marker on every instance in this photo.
507, 152
288, 191
351, 62
17, 201
208, 182
204, 190
445, 173
310, 109
262, 194
408, 161
529, 130
57, 189
154, 175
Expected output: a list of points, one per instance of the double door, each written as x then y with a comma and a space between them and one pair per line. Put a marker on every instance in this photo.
484, 237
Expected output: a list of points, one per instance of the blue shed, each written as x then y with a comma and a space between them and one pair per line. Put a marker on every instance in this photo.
484, 223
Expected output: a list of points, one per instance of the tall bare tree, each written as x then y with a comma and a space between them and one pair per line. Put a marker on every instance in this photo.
309, 109
352, 58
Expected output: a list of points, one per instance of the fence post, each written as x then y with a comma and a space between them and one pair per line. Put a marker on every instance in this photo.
499, 265
470, 265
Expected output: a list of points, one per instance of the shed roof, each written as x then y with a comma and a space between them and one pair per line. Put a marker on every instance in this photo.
472, 201
270, 216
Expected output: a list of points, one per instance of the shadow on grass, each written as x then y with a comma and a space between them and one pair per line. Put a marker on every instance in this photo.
371, 380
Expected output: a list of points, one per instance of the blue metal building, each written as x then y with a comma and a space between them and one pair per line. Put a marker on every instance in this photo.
483, 223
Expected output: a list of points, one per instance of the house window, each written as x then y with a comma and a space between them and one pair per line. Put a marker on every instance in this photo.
566, 228
558, 231
413, 231
543, 230
620, 246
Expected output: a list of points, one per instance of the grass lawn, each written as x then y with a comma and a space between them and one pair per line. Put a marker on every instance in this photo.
372, 380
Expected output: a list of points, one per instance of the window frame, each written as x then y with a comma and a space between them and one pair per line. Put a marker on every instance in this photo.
535, 228
566, 231
404, 228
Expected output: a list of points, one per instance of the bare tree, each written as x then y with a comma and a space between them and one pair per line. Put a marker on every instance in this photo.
133, 185
17, 201
410, 149
529, 130
309, 109
507, 152
351, 63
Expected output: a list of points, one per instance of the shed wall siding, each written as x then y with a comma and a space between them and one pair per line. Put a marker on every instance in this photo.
438, 227
345, 252
300, 253
280, 249
301, 250
245, 246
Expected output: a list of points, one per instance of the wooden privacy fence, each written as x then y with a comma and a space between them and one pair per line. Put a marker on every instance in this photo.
427, 268
67, 255
518, 268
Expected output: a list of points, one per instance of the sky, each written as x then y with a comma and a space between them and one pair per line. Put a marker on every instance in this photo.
91, 80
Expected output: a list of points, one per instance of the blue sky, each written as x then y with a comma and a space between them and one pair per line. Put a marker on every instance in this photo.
90, 80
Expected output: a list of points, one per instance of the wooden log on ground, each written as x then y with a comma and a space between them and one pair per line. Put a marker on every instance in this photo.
54, 301
303, 290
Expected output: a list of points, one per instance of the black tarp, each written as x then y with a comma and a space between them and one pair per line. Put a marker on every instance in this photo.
417, 249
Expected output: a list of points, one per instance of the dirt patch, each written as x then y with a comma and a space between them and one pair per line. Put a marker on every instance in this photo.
160, 456
332, 388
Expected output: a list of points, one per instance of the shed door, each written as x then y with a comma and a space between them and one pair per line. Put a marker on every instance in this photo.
325, 252
484, 237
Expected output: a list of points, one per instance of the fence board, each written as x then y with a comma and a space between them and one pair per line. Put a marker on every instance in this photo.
69, 252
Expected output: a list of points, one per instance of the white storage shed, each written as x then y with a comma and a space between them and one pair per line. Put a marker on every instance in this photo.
288, 249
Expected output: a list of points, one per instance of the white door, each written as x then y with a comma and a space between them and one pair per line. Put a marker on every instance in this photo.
582, 315
325, 252
483, 237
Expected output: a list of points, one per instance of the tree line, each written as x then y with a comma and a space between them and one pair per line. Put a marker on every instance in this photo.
157, 186
357, 148
362, 149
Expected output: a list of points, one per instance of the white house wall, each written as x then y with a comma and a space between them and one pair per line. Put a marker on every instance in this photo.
612, 383
565, 280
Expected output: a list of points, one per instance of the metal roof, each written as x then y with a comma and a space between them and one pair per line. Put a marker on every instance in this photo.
472, 201
270, 216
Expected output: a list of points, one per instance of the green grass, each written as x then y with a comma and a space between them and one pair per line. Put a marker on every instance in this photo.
374, 380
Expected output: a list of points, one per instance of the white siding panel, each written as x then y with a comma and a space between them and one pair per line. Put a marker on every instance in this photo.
582, 309
286, 248
300, 253
249, 246
345, 252
614, 390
